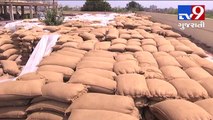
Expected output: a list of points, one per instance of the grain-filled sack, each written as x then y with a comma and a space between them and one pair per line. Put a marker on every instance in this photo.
124, 56
160, 89
68, 53
56, 68
117, 47
166, 48
100, 72
20, 89
133, 85
102, 45
186, 62
6, 47
86, 45
183, 48
204, 63
74, 50
146, 58
95, 64
197, 73
133, 48
189, 89
63, 92
95, 82
8, 53
68, 61
126, 66
206, 104
172, 72
177, 53
87, 36
70, 44
10, 67
150, 48
148, 42
48, 105
5, 40
179, 110
113, 33
134, 42
46, 116
167, 61
13, 113
96, 101
81, 114
151, 72
100, 53
160, 54
14, 103
136, 36
13, 57
101, 59
51, 76
125, 36
207, 84
30, 76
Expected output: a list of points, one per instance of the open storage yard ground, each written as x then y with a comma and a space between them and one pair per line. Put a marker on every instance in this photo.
115, 67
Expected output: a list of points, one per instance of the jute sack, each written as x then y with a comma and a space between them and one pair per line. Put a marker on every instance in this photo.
173, 72
124, 56
62, 91
70, 44
207, 84
206, 104
6, 47
5, 40
113, 33
160, 54
197, 73
186, 62
87, 36
14, 103
100, 72
125, 36
189, 89
101, 53
81, 114
95, 64
134, 42
136, 36
68, 61
68, 53
151, 72
133, 48
179, 110
30, 76
86, 45
177, 53
48, 105
101, 59
6, 54
20, 89
150, 48
10, 67
167, 61
51, 76
127, 66
117, 47
95, 82
13, 57
148, 42
166, 48
13, 112
102, 45
56, 68
96, 101
74, 50
39, 99
160, 90
133, 85
205, 64
183, 48
146, 58
46, 116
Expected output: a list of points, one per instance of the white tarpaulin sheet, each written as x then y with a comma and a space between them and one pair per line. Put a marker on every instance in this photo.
43, 48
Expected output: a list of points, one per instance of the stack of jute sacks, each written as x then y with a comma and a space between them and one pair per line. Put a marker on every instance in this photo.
132, 69
26, 40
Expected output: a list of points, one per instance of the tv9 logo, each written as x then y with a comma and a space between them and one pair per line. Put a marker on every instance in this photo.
191, 12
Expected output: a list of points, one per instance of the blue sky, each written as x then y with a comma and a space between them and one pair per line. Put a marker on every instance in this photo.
160, 4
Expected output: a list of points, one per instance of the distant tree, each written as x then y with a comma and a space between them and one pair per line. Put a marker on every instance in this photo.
134, 6
96, 5
66, 7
